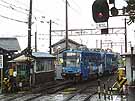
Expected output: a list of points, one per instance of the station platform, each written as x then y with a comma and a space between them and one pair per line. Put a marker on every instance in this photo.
129, 97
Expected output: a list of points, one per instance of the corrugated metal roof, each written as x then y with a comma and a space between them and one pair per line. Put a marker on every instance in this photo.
64, 40
11, 44
42, 55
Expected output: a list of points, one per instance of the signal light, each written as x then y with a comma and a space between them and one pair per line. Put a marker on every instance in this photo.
100, 11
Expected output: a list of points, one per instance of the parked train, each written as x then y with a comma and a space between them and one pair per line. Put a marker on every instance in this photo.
84, 64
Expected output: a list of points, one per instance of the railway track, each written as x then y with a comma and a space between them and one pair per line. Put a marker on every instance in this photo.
83, 92
28, 96
90, 89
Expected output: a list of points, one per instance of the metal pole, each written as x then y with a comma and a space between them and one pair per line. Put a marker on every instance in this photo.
66, 24
132, 65
101, 44
50, 36
112, 45
121, 49
125, 36
29, 29
104, 93
96, 43
36, 41
29, 41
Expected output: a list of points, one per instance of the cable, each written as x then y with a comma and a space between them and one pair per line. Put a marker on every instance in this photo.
77, 11
13, 9
14, 5
76, 4
13, 19
71, 7
41, 12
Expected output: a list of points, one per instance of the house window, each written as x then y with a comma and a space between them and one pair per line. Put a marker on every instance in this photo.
44, 65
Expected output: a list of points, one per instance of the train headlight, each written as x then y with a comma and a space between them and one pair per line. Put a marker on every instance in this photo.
78, 71
64, 74
78, 74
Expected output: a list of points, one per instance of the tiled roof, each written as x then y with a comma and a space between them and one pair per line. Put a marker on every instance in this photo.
10, 44
63, 40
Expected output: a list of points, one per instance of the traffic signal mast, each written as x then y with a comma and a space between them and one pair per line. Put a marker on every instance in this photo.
100, 10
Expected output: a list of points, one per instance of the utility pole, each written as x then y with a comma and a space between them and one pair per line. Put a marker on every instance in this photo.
66, 24
29, 29
50, 37
29, 52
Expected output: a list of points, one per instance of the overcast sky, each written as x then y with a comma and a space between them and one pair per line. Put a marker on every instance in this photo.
79, 16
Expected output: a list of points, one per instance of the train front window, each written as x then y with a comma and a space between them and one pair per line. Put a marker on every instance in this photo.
72, 63
72, 60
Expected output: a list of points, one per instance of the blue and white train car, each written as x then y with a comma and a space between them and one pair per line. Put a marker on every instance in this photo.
82, 64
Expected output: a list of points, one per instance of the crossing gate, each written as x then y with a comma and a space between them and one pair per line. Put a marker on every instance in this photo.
118, 85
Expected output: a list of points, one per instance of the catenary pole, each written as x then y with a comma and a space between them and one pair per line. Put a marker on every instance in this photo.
50, 37
66, 24
125, 36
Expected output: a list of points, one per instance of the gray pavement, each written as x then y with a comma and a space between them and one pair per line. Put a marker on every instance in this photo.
131, 94
129, 97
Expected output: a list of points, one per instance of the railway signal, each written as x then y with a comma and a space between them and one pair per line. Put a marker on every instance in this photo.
100, 11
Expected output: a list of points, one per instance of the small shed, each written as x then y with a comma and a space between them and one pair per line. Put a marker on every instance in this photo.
130, 66
44, 67
41, 70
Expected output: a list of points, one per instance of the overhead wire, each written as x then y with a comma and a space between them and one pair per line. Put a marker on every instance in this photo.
69, 4
76, 4
12, 19
12, 8
15, 8
14, 5
41, 12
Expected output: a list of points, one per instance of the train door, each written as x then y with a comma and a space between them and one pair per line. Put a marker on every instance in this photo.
108, 63
100, 65
85, 68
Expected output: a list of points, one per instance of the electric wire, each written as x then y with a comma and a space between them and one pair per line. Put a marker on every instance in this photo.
14, 5
12, 19
12, 8
69, 4
41, 12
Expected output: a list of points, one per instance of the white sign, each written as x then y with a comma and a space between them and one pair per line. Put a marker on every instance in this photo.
1, 61
101, 25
